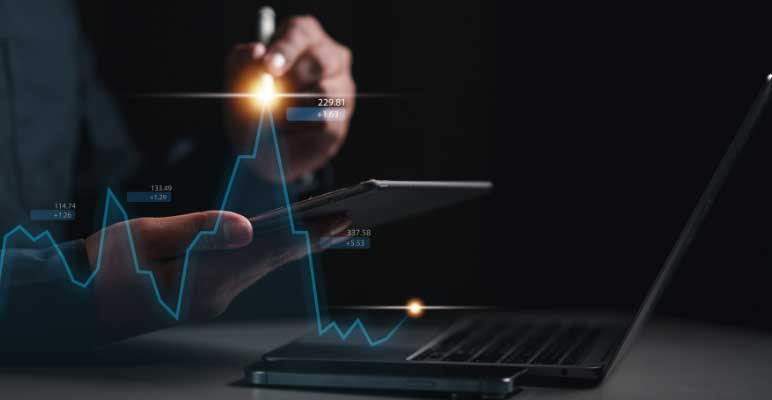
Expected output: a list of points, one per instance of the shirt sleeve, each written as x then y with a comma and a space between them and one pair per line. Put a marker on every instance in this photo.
45, 303
114, 155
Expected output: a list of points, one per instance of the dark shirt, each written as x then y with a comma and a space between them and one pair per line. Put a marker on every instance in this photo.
61, 137
50, 101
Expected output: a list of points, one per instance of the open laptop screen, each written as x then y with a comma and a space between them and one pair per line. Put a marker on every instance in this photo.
725, 276
584, 224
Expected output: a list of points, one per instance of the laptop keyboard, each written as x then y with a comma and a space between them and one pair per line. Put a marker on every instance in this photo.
531, 345
500, 347
512, 343
472, 346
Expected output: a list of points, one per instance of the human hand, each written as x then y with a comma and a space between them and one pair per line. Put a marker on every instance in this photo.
304, 59
226, 263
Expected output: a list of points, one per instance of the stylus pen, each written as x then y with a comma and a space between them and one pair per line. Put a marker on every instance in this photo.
266, 25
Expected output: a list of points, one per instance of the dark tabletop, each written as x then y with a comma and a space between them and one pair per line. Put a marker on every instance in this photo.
671, 360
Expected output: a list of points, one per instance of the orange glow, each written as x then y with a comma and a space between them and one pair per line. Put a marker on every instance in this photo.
264, 91
415, 308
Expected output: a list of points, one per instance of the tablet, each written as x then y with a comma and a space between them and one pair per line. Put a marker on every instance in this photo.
377, 202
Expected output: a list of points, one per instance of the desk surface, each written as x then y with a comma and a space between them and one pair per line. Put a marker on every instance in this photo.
670, 360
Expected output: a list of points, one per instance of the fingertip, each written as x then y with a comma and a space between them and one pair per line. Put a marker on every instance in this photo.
236, 230
332, 233
276, 62
258, 50
345, 221
339, 224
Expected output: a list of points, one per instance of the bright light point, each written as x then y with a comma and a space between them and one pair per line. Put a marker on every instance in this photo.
264, 92
415, 308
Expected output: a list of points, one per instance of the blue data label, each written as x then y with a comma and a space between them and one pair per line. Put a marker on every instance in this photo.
316, 114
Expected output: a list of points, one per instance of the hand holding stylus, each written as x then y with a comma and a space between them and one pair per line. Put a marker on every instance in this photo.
304, 59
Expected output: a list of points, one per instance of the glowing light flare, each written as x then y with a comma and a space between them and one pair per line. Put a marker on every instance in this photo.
264, 91
415, 308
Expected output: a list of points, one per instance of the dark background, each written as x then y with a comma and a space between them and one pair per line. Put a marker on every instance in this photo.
599, 127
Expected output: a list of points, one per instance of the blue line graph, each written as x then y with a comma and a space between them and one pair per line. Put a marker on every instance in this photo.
175, 311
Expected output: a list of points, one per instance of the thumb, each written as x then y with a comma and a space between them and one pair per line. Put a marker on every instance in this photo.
207, 230
269, 251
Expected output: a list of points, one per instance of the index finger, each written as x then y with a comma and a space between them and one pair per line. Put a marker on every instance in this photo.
295, 37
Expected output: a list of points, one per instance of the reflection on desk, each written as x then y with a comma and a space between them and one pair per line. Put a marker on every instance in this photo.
671, 360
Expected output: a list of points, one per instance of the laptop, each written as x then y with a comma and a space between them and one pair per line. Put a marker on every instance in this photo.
554, 348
